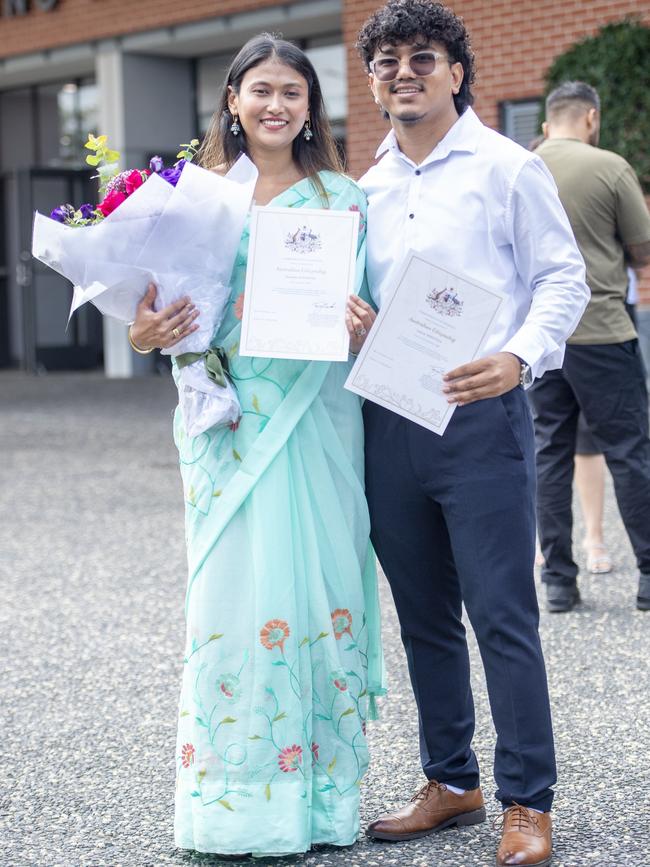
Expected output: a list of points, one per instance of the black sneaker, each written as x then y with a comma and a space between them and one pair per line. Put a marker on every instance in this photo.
643, 596
561, 597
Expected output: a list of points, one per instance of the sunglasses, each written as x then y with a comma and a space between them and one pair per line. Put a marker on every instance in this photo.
422, 64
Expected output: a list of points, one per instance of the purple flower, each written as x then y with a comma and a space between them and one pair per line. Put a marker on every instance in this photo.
156, 164
172, 175
87, 211
62, 213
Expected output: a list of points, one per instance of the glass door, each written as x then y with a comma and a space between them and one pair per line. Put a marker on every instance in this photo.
49, 342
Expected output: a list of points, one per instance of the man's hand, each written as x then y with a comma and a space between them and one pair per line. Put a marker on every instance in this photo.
486, 377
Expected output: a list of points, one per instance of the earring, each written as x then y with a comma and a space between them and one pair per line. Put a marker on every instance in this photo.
307, 133
235, 128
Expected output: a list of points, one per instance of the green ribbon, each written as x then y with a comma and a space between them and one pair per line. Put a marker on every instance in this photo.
216, 363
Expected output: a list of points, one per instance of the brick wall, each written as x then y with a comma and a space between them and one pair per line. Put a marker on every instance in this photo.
81, 20
514, 44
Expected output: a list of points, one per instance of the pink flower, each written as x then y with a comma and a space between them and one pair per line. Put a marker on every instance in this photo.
229, 686
289, 758
342, 622
235, 424
134, 180
113, 200
239, 306
314, 752
339, 680
362, 222
117, 183
187, 755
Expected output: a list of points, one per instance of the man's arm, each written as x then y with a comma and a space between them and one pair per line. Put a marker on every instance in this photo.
632, 218
548, 261
638, 255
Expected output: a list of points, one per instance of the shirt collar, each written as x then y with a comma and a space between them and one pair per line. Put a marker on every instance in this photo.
463, 136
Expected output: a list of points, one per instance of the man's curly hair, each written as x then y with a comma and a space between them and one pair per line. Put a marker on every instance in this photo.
415, 21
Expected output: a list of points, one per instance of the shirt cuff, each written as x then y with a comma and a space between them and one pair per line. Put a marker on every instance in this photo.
540, 354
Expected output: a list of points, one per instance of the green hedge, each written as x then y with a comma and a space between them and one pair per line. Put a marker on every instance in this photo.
616, 61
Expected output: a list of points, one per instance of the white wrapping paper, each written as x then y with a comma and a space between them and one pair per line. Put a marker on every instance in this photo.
184, 239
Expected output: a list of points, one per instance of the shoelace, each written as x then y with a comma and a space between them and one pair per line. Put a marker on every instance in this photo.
426, 789
518, 817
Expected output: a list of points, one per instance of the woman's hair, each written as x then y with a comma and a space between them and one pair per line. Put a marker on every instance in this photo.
404, 22
221, 147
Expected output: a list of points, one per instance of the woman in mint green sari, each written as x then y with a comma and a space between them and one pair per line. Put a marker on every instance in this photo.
283, 656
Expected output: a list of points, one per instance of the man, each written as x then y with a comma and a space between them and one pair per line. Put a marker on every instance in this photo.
453, 516
603, 372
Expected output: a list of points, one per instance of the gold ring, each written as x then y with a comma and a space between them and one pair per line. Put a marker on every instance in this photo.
176, 333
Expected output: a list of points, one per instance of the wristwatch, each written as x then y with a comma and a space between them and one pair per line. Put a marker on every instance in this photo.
525, 374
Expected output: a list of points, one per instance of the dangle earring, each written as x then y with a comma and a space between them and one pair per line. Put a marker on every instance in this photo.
307, 133
235, 128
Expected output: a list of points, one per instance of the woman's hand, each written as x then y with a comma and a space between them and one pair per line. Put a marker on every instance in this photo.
359, 318
164, 328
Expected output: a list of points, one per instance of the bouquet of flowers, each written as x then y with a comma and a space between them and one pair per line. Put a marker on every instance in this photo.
177, 227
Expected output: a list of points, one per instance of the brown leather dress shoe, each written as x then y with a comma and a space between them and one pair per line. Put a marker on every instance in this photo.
526, 838
433, 808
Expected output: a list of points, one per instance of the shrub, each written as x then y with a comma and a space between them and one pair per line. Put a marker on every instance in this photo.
616, 61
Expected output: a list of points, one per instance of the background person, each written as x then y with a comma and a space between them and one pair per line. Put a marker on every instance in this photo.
282, 613
603, 374
590, 474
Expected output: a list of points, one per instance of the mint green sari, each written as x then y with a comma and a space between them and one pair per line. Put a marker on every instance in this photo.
283, 653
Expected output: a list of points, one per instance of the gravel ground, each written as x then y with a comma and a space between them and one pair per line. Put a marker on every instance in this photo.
91, 630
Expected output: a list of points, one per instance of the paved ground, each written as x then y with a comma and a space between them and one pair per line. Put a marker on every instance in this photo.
91, 631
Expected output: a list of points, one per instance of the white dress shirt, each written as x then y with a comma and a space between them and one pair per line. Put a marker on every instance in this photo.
488, 210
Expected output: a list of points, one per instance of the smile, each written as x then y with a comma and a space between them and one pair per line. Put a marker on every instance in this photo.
271, 123
406, 91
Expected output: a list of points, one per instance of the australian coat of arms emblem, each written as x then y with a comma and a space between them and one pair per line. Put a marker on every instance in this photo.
303, 240
445, 301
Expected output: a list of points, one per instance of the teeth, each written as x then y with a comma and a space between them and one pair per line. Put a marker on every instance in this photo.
274, 122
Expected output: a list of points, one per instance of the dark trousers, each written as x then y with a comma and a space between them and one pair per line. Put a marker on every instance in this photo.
606, 383
453, 522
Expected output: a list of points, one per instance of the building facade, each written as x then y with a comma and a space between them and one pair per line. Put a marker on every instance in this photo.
148, 74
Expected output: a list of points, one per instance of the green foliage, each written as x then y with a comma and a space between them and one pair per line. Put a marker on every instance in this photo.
105, 160
189, 150
616, 61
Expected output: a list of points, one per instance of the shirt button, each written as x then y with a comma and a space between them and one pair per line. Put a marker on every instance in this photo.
418, 172
411, 216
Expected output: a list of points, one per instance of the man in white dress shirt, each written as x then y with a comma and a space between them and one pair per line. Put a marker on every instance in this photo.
453, 517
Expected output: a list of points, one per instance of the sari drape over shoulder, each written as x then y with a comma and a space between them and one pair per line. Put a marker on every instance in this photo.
283, 655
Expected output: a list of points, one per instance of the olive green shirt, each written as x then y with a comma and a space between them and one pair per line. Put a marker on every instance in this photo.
607, 211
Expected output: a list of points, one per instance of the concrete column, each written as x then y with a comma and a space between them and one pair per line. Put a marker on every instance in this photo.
118, 355
146, 107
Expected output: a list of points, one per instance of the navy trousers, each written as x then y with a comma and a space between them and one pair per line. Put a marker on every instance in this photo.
606, 383
453, 522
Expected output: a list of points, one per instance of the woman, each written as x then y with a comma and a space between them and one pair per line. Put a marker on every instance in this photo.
283, 654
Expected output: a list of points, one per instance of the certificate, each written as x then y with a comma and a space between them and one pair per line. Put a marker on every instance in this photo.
301, 270
432, 322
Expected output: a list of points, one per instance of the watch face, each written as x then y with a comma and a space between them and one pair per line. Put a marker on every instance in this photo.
526, 374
